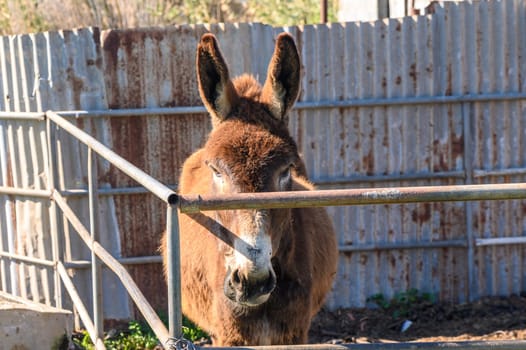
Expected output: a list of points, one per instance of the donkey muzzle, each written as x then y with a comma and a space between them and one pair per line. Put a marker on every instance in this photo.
250, 289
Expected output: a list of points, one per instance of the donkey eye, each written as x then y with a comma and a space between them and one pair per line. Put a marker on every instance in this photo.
284, 178
285, 174
215, 171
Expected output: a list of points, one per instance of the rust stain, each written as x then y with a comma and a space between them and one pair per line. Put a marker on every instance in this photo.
422, 213
413, 73
341, 113
361, 235
440, 157
98, 62
457, 146
429, 68
495, 146
392, 261
110, 47
368, 163
449, 88
110, 50
357, 145
364, 259
77, 84
385, 139
129, 141
9, 178
150, 280
444, 155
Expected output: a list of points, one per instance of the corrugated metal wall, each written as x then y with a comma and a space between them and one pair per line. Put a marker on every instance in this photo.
465, 48
359, 10
58, 71
386, 59
498, 136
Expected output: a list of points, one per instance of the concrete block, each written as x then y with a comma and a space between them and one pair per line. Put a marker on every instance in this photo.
25, 325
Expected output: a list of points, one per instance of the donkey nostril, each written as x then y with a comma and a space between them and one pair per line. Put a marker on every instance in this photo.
236, 279
268, 285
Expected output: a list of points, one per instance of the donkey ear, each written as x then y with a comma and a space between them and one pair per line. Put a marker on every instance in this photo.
282, 86
215, 87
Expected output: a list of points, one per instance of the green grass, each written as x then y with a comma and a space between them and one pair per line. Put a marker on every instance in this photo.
403, 302
138, 336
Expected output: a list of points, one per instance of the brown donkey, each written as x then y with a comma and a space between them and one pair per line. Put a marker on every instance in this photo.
252, 277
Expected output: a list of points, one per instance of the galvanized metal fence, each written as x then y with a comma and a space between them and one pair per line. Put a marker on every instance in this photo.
172, 338
59, 209
401, 102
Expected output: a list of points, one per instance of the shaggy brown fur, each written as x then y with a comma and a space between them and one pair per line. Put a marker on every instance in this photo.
270, 295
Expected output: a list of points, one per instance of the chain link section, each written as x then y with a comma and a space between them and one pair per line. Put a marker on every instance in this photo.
179, 344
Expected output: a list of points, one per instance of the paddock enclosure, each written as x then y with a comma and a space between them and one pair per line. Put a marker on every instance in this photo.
431, 100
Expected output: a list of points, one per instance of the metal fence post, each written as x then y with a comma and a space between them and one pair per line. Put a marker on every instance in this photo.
468, 167
10, 230
175, 318
96, 267
54, 222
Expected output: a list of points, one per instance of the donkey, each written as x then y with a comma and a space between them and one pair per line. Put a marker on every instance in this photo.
252, 277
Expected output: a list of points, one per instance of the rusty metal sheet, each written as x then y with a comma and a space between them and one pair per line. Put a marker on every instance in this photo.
25, 221
382, 59
441, 54
147, 68
413, 56
156, 67
498, 130
56, 70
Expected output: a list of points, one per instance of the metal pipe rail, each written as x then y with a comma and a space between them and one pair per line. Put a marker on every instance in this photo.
192, 204
168, 337
27, 192
126, 279
307, 105
27, 259
463, 345
81, 308
160, 190
23, 115
301, 199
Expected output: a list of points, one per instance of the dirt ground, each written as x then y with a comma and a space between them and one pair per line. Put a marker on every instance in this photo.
487, 319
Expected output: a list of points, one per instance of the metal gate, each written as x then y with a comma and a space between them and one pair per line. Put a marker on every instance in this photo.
427, 100
54, 275
61, 213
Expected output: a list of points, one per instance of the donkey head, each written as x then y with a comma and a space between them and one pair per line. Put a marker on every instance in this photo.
250, 150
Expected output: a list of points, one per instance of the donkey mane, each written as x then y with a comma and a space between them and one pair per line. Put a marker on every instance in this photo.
251, 108
247, 86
